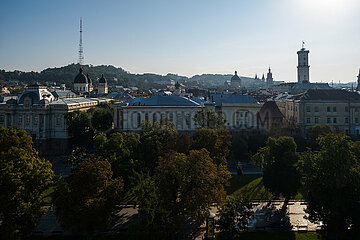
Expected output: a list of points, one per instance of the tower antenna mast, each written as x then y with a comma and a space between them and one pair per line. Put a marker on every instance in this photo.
81, 52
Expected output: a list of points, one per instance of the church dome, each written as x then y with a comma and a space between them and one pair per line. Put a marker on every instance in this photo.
80, 78
102, 79
235, 77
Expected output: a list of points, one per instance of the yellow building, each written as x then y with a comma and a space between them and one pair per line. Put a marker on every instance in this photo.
334, 107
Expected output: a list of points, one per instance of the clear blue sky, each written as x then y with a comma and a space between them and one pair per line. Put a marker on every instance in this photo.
186, 37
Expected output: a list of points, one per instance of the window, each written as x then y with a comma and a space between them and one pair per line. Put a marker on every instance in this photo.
187, 120
346, 120
307, 120
316, 109
346, 109
2, 118
308, 109
171, 117
58, 119
27, 120
36, 120
138, 120
328, 109
356, 109
334, 120
316, 120
154, 117
334, 109
328, 120
295, 108
20, 119
146, 117
356, 120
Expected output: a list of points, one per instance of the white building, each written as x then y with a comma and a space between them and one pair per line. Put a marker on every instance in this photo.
42, 113
128, 116
303, 66
239, 111
81, 83
102, 87
236, 81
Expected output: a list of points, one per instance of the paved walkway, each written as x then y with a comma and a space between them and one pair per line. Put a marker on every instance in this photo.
267, 217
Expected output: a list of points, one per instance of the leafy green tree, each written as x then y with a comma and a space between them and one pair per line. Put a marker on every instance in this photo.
318, 131
216, 141
23, 179
154, 218
78, 123
156, 139
76, 157
279, 160
190, 184
234, 215
121, 150
208, 119
85, 201
101, 120
332, 179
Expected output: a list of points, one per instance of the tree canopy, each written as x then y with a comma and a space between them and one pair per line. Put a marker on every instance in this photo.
23, 179
216, 141
332, 179
279, 160
86, 199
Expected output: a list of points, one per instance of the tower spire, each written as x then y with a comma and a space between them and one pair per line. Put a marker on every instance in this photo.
81, 53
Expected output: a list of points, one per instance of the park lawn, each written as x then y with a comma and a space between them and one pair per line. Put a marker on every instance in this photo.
251, 187
273, 236
237, 182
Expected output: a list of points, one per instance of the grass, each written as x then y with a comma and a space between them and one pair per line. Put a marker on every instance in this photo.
273, 236
237, 182
251, 187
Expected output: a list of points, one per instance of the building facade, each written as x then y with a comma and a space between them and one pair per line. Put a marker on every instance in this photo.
102, 87
235, 81
334, 107
42, 113
239, 111
129, 115
303, 67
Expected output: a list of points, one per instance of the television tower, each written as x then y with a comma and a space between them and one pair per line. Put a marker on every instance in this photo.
81, 52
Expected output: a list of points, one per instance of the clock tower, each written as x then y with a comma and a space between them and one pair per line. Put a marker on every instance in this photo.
303, 65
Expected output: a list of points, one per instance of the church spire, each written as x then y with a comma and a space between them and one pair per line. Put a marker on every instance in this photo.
358, 82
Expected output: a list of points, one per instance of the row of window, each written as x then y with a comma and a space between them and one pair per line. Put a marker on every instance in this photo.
156, 117
328, 109
330, 120
316, 109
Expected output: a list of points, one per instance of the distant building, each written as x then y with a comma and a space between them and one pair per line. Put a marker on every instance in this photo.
358, 82
236, 81
102, 87
303, 84
129, 115
81, 83
270, 119
41, 113
269, 79
303, 66
334, 107
239, 111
